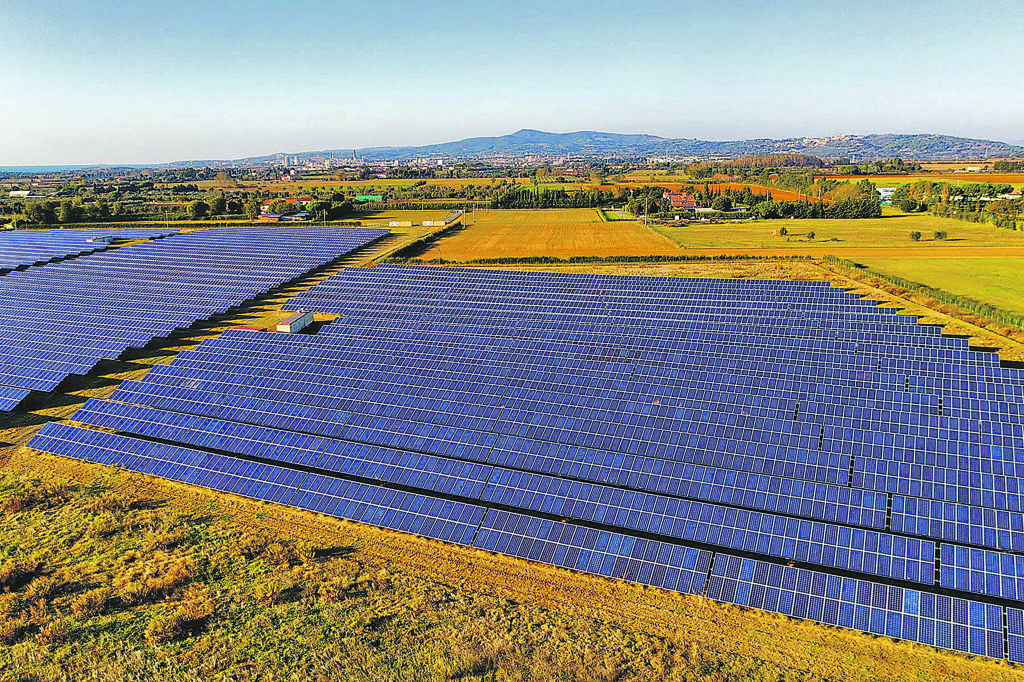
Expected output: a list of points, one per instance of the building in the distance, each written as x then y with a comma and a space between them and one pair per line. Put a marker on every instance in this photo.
680, 200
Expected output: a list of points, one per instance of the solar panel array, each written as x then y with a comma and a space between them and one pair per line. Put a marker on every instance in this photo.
781, 445
19, 248
63, 318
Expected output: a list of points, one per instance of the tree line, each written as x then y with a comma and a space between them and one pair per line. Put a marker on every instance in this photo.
525, 197
973, 202
843, 208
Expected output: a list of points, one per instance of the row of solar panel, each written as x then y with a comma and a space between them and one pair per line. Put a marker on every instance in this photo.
840, 547
645, 395
739, 355
786, 382
21, 248
79, 327
974, 376
939, 620
760, 386
470, 444
690, 420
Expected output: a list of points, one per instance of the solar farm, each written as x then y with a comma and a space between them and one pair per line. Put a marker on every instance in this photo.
19, 249
63, 318
782, 445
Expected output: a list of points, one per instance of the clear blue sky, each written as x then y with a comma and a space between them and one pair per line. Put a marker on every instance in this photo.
101, 82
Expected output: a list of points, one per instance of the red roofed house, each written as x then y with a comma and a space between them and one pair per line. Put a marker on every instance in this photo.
680, 200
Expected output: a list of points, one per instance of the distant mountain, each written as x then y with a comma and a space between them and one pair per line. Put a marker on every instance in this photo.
615, 145
859, 147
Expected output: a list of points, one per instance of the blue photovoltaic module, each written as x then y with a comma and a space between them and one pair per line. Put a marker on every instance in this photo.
63, 318
781, 445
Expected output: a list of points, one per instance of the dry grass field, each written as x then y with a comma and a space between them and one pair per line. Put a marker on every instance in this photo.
139, 578
553, 232
891, 232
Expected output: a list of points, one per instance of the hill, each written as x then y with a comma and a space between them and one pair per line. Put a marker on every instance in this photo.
591, 144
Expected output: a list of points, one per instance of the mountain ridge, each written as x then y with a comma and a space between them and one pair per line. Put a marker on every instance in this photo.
595, 144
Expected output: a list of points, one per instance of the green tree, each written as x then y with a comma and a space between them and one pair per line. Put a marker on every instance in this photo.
280, 206
198, 209
67, 212
252, 208
218, 205
915, 236
41, 212
722, 203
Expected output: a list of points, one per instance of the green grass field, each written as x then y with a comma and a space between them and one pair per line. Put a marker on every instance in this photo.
996, 281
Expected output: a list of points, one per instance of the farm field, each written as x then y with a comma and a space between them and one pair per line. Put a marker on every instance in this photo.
382, 218
996, 281
891, 231
553, 232
1015, 179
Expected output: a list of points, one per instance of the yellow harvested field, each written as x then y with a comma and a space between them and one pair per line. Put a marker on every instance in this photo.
561, 233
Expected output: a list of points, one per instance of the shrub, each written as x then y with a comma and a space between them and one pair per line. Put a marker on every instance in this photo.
915, 236
54, 631
908, 205
15, 573
11, 629
111, 502
940, 236
104, 526
92, 603
42, 588
783, 231
9, 604
164, 628
163, 540
810, 235
33, 494
153, 581
252, 545
196, 608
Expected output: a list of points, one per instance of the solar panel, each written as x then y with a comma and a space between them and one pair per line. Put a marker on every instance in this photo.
782, 445
21, 248
63, 318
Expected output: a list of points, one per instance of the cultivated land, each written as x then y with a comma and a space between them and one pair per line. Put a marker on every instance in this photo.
891, 232
113, 576
1015, 179
996, 281
976, 260
551, 232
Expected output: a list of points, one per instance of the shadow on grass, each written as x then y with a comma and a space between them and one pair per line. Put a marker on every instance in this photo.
340, 552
